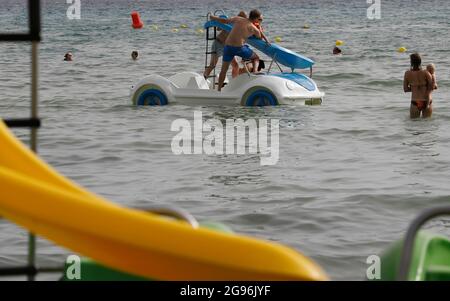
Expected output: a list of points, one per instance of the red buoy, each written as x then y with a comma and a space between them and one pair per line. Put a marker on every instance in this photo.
137, 22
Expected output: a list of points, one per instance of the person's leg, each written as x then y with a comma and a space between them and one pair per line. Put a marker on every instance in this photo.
428, 111
234, 68
212, 65
223, 73
414, 111
247, 54
255, 61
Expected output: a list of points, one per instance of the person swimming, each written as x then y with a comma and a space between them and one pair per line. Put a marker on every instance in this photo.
420, 83
68, 57
134, 55
337, 50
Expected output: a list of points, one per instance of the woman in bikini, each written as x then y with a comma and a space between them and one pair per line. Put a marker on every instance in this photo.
419, 82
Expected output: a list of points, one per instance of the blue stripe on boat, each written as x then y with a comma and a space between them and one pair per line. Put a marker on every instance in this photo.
298, 78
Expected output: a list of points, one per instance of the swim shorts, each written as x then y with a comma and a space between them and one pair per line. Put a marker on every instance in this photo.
229, 52
217, 47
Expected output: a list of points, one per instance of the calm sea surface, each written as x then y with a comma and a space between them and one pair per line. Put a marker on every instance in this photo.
352, 173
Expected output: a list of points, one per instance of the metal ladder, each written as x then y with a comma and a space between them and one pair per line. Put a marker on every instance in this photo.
33, 36
207, 51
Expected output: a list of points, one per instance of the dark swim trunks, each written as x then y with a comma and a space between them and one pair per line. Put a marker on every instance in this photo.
229, 52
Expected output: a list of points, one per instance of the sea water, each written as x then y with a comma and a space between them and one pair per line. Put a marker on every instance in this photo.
351, 173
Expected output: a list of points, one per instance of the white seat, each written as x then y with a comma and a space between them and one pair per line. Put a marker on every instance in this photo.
197, 82
189, 80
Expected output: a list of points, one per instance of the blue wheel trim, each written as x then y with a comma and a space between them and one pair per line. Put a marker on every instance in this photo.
261, 98
157, 98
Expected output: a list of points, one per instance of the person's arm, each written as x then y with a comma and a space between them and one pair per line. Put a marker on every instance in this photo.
429, 79
434, 82
259, 34
406, 86
221, 20
263, 36
256, 32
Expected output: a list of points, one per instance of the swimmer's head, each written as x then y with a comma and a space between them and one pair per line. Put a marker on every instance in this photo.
243, 14
337, 50
431, 68
134, 55
68, 56
416, 61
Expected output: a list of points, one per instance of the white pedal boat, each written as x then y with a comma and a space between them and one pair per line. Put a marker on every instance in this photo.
248, 89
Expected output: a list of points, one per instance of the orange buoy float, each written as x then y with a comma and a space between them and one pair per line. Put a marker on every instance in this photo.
137, 22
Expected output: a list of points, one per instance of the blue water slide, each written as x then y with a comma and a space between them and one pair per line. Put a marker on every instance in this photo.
282, 55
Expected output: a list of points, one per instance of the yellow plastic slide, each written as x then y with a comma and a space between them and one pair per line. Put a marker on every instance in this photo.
35, 196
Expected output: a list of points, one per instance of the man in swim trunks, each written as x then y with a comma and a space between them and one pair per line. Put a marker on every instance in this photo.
217, 51
420, 83
235, 43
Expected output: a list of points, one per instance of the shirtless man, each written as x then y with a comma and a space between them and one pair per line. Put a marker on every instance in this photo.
235, 43
419, 82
